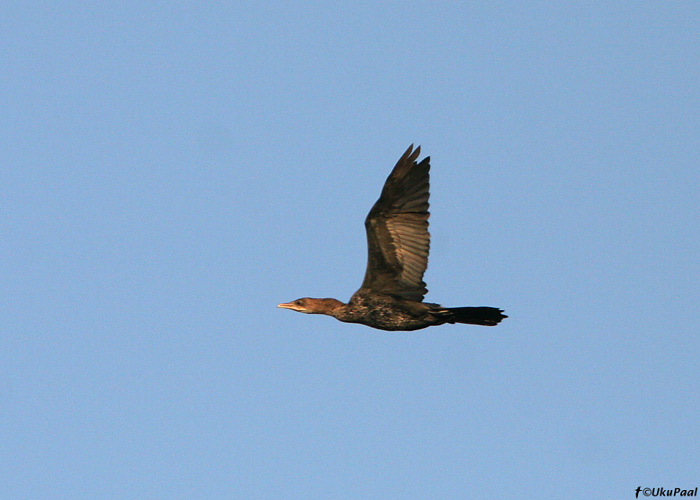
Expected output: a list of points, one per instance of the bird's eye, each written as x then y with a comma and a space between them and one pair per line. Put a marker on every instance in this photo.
297, 302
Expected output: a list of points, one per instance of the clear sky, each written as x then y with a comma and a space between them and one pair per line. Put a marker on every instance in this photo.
171, 171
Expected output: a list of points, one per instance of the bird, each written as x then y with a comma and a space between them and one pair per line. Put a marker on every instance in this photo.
391, 295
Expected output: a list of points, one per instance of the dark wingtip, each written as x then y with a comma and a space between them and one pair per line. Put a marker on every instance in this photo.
412, 157
405, 162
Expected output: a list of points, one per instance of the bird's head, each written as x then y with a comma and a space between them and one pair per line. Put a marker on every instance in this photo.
312, 306
300, 305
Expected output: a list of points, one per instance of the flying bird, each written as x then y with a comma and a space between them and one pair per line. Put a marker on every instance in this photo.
391, 295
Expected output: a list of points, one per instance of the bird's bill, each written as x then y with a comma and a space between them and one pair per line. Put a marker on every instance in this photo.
289, 305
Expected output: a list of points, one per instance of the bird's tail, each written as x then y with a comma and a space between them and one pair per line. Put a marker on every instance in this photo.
487, 316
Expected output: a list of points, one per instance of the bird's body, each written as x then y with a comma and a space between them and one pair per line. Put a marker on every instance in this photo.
398, 242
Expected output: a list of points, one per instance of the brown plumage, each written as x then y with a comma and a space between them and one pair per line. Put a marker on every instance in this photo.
398, 242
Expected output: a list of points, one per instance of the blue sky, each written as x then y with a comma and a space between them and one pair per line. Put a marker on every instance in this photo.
173, 170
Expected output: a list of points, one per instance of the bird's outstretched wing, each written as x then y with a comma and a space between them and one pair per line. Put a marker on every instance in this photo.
398, 241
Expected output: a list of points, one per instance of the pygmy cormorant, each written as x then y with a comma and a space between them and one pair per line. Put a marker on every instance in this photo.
391, 295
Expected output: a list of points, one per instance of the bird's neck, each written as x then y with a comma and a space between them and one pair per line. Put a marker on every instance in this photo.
330, 307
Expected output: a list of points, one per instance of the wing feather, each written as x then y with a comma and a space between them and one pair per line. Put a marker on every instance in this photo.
398, 241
